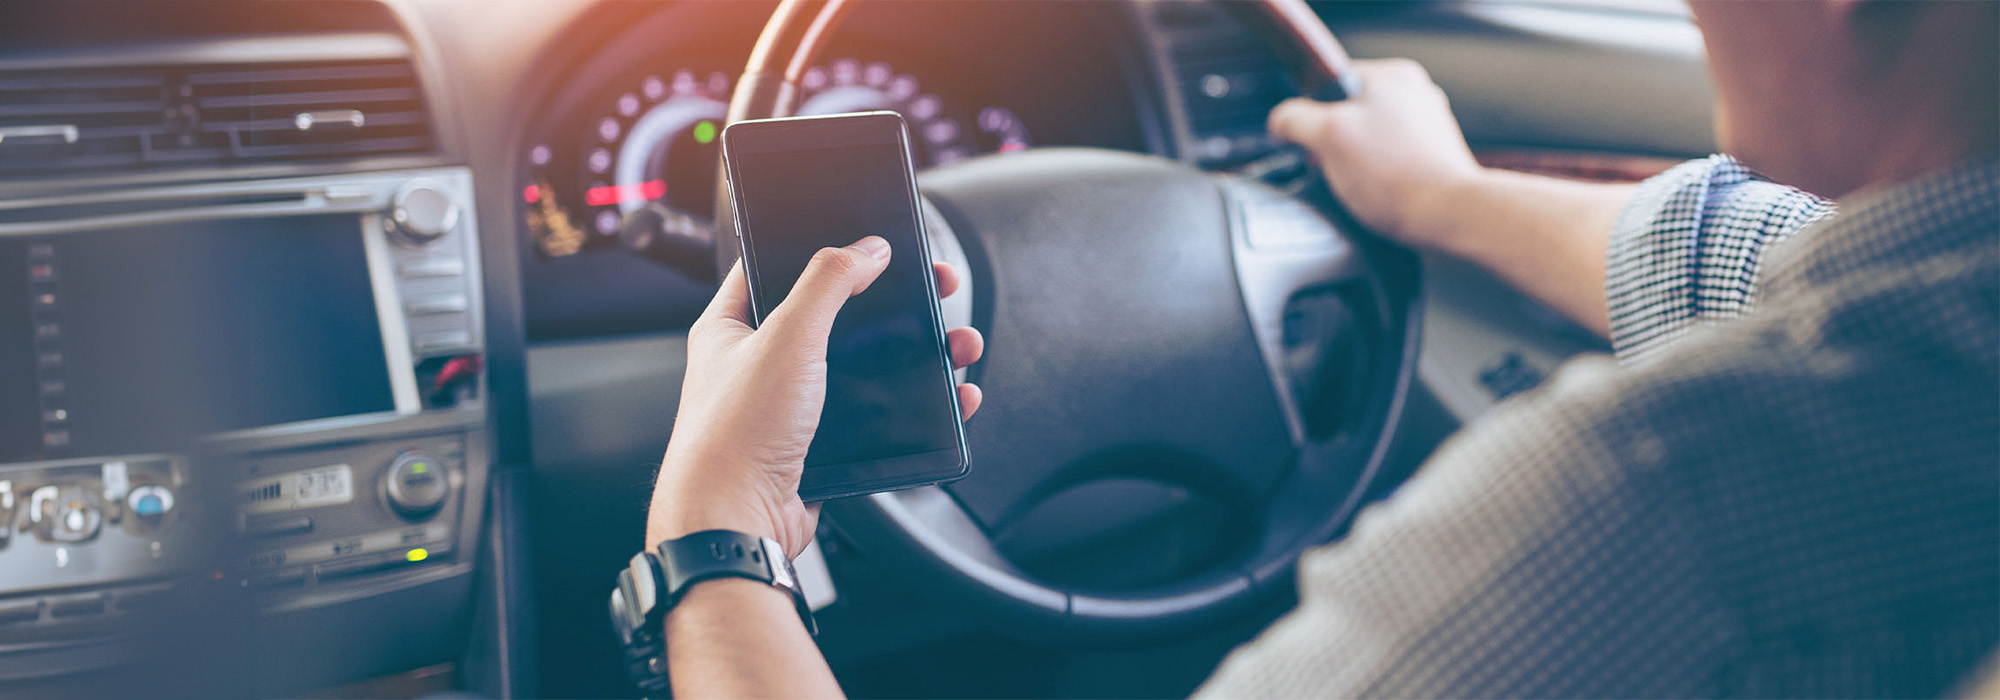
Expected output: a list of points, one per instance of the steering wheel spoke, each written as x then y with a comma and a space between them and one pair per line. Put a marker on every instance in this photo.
1284, 248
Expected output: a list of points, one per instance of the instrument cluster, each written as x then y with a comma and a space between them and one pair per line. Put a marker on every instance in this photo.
640, 173
617, 173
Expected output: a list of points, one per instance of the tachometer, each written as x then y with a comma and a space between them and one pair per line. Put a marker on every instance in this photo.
643, 170
849, 85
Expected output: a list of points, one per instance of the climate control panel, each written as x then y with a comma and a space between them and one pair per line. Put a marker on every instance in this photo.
72, 532
315, 517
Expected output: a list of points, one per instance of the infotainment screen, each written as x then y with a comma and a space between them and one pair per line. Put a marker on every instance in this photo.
145, 339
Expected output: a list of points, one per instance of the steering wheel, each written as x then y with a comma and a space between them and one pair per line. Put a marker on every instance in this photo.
1144, 319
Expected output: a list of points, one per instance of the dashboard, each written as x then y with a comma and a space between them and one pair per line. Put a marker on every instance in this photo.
619, 194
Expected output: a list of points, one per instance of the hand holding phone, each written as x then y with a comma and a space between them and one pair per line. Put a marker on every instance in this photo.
753, 399
800, 185
751, 403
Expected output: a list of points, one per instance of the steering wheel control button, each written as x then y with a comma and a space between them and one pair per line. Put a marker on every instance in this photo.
416, 484
277, 526
422, 212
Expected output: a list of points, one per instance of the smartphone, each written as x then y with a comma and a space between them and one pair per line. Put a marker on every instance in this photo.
800, 184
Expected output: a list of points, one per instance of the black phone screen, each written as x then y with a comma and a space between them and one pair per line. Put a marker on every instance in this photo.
888, 391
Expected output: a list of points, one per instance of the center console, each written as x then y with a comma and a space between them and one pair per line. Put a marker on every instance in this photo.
275, 385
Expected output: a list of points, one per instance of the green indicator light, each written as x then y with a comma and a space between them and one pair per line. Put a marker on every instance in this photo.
418, 554
420, 467
704, 131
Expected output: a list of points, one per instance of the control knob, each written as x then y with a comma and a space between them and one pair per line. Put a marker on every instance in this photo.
422, 212
416, 485
64, 513
150, 503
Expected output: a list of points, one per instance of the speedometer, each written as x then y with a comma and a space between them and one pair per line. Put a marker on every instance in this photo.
642, 170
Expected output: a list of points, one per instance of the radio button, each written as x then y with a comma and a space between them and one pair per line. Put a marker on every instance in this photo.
357, 566
436, 305
278, 527
443, 340
28, 610
438, 267
416, 484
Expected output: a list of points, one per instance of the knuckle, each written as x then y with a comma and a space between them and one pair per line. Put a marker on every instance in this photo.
834, 261
704, 327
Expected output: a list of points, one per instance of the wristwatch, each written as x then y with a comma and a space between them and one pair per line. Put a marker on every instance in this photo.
655, 581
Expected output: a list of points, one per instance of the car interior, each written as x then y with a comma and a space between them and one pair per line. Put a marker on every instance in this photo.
344, 337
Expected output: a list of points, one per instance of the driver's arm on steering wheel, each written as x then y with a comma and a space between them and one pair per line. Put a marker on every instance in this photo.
1682, 247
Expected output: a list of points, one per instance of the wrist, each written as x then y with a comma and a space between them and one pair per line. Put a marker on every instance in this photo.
677, 517
1445, 217
696, 493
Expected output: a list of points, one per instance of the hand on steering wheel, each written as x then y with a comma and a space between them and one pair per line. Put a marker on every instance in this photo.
752, 401
1391, 153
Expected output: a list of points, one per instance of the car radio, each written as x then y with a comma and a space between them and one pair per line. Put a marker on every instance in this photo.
276, 383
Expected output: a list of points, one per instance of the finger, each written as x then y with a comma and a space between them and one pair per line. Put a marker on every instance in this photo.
947, 279
1299, 119
966, 346
732, 299
833, 275
969, 398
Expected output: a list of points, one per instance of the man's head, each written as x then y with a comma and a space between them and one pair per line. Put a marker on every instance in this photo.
1834, 96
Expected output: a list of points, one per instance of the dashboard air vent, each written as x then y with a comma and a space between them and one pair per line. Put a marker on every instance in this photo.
1228, 80
97, 120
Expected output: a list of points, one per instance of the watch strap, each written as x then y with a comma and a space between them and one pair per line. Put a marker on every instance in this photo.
723, 553
653, 582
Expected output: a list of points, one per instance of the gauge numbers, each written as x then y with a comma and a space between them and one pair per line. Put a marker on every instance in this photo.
643, 170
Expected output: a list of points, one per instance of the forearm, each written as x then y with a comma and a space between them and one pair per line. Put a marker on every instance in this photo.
1547, 237
737, 638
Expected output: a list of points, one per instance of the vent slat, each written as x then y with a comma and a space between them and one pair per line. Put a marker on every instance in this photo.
403, 118
309, 98
290, 75
312, 149
151, 109
170, 116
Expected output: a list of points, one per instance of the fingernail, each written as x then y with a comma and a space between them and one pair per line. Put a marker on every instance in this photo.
873, 245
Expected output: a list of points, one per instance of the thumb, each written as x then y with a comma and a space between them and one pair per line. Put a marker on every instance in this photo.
833, 275
1300, 120
732, 299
